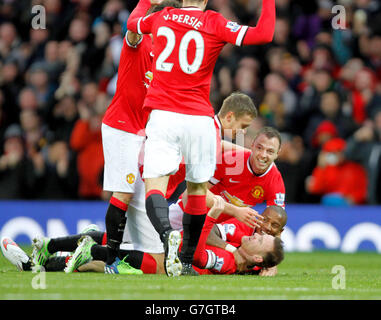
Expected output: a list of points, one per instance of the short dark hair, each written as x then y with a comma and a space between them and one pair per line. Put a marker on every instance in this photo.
274, 257
240, 104
280, 211
269, 132
167, 3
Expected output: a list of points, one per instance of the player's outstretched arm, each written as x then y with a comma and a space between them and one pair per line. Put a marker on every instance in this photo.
248, 216
228, 146
200, 258
263, 32
140, 11
217, 207
214, 238
137, 14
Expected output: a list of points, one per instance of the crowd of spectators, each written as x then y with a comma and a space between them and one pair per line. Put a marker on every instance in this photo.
315, 83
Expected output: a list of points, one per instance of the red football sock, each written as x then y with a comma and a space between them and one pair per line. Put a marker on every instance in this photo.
196, 205
148, 264
119, 204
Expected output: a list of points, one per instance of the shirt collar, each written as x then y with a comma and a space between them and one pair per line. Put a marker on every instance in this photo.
251, 170
217, 120
191, 8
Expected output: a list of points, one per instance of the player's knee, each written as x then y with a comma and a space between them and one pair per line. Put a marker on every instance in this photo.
123, 197
196, 188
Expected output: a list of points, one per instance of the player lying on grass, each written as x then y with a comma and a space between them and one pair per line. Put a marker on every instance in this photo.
259, 249
228, 235
273, 223
274, 219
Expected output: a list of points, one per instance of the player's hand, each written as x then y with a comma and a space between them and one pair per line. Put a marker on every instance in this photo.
217, 208
248, 216
268, 272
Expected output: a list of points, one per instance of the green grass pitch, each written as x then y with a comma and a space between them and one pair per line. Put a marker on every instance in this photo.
301, 276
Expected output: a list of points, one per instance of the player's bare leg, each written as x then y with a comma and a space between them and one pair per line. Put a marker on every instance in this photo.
115, 223
193, 221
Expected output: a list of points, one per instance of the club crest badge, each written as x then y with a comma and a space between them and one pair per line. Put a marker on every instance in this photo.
130, 178
257, 192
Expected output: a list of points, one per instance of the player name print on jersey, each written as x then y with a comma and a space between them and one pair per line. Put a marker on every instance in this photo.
184, 18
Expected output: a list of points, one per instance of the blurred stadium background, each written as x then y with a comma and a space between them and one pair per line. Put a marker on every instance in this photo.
314, 83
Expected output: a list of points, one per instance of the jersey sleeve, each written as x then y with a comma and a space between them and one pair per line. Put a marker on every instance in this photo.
234, 33
233, 230
227, 30
225, 165
141, 24
277, 194
218, 175
263, 32
129, 44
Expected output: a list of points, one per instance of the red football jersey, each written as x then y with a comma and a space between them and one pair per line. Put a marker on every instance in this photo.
134, 76
187, 44
225, 262
236, 182
233, 231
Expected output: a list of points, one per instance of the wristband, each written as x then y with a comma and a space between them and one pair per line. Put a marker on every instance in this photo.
230, 248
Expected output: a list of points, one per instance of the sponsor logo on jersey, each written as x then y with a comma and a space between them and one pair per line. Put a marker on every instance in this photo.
219, 263
257, 192
229, 228
148, 77
233, 26
130, 178
234, 200
279, 199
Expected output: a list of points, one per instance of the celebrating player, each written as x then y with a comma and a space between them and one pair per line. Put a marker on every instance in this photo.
258, 249
123, 130
244, 179
228, 236
187, 42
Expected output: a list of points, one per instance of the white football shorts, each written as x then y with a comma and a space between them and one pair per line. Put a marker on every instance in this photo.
171, 136
176, 216
121, 152
140, 233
